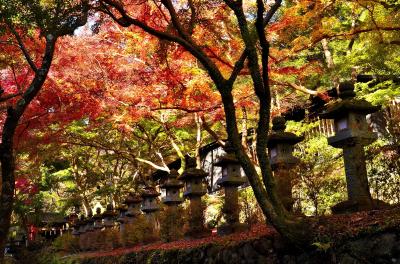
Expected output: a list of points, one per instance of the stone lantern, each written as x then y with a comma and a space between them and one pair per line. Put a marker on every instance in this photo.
108, 217
82, 225
194, 189
75, 226
280, 151
150, 205
97, 226
98, 223
352, 134
172, 188
122, 214
133, 202
108, 234
150, 200
72, 218
86, 239
231, 179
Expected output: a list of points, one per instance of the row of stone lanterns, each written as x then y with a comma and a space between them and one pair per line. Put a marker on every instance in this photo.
351, 134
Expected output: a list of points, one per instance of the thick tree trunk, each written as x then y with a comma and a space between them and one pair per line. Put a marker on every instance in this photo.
7, 192
7, 153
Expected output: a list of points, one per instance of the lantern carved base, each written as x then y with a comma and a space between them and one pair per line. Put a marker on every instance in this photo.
196, 221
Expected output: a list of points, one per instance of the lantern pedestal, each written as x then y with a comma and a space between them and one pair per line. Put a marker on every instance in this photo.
280, 150
150, 206
171, 225
283, 176
196, 219
352, 134
231, 179
194, 190
230, 210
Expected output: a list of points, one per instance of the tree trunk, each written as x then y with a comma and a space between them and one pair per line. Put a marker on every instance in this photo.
7, 153
7, 192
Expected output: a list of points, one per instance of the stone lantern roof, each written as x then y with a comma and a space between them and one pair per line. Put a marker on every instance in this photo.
348, 104
228, 158
172, 181
278, 134
149, 191
132, 198
109, 212
191, 172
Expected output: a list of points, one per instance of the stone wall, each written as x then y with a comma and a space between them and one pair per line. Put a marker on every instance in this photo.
378, 248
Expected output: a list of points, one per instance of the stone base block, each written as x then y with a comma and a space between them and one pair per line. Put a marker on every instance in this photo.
227, 229
197, 233
352, 207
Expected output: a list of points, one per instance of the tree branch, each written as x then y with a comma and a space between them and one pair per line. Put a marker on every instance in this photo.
22, 46
125, 20
239, 65
297, 87
175, 20
9, 96
153, 164
212, 133
271, 12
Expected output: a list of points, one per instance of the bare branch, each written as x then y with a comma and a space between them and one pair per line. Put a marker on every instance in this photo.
297, 87
153, 164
